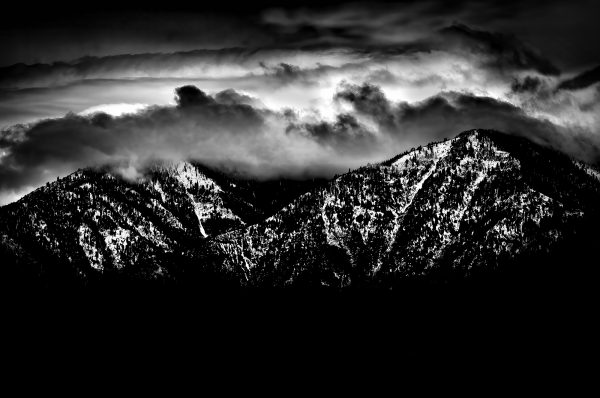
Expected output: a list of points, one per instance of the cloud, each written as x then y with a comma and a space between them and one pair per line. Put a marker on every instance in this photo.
367, 99
283, 72
582, 80
447, 113
315, 89
346, 135
378, 24
526, 85
500, 51
455, 58
189, 96
199, 127
224, 131
232, 97
558, 28
61, 33
57, 146
68, 33
114, 109
206, 63
414, 67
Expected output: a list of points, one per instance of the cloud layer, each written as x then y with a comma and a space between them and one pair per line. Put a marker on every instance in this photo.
295, 91
226, 130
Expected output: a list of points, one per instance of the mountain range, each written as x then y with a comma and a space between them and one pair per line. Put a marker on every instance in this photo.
483, 205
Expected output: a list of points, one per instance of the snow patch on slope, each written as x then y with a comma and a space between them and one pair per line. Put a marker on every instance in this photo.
116, 242
200, 215
189, 176
86, 241
591, 171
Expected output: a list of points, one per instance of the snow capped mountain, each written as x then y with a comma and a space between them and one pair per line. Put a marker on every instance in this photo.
480, 202
446, 210
100, 222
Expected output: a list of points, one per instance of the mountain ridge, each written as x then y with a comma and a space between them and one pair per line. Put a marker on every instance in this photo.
340, 237
444, 211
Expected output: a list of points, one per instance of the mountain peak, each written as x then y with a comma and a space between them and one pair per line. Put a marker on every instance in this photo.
471, 140
455, 207
481, 134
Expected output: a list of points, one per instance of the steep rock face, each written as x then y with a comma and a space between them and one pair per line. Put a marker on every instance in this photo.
447, 210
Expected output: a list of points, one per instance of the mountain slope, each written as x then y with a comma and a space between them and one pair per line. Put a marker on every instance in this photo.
448, 210
96, 221
94, 225
457, 209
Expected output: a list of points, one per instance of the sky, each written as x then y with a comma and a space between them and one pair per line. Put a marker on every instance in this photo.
296, 90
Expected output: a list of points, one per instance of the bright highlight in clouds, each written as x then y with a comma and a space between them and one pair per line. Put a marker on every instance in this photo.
114, 109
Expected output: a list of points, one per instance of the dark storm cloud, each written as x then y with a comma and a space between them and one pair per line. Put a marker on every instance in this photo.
346, 134
284, 64
365, 24
232, 97
129, 66
63, 34
189, 96
284, 73
559, 28
366, 99
525, 85
60, 33
61, 145
507, 51
492, 52
222, 131
582, 80
445, 114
